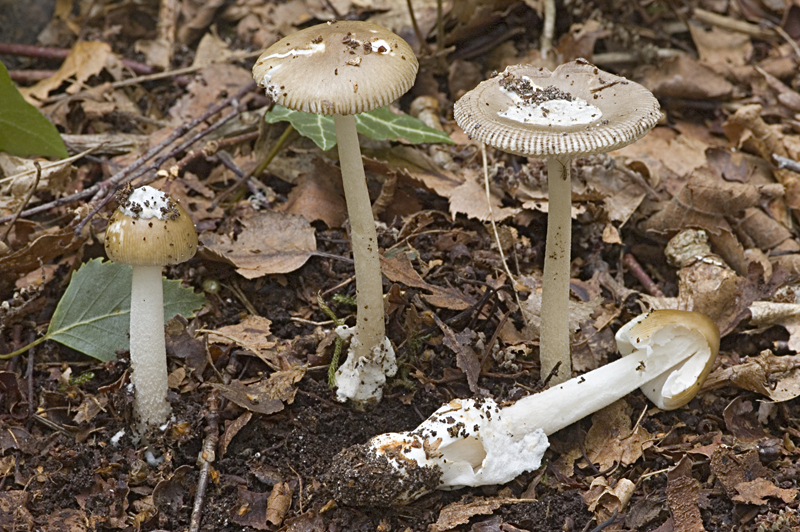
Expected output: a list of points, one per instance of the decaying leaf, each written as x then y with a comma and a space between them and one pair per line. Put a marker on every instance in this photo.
605, 500
253, 333
270, 242
251, 509
86, 59
458, 513
756, 491
278, 502
702, 204
264, 396
400, 270
775, 377
466, 357
612, 441
683, 492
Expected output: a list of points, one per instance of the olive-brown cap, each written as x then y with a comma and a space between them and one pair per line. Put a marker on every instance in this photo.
345, 68
576, 110
150, 229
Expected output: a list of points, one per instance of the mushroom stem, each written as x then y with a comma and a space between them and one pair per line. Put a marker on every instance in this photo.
370, 332
148, 350
554, 333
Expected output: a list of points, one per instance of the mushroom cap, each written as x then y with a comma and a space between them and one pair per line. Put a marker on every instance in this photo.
673, 329
344, 68
576, 110
150, 229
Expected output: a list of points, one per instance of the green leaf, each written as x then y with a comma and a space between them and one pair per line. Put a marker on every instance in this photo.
383, 124
318, 128
24, 130
92, 316
378, 124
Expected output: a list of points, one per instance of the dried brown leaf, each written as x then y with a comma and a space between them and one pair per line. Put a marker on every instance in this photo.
251, 509
86, 59
271, 242
466, 357
683, 492
279, 502
399, 269
232, 428
611, 439
458, 513
684, 77
756, 491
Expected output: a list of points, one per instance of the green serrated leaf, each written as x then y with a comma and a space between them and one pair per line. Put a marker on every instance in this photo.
318, 128
383, 124
24, 130
378, 124
92, 316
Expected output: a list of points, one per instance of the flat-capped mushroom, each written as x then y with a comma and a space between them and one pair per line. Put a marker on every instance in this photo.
574, 111
341, 69
475, 442
149, 231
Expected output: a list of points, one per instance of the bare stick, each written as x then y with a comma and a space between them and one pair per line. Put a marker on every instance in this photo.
637, 271
43, 52
103, 186
205, 459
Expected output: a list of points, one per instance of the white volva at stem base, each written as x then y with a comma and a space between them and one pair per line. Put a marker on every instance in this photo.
370, 331
148, 350
554, 333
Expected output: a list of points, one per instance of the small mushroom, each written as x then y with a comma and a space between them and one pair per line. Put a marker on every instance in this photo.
149, 231
341, 69
574, 111
475, 442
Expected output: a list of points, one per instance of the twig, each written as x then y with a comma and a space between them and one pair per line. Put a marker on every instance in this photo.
44, 52
30, 76
205, 459
739, 26
257, 170
422, 41
636, 269
785, 162
26, 200
119, 176
127, 175
152, 77
511, 277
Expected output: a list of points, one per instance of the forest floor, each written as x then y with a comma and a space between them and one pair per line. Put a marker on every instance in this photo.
700, 214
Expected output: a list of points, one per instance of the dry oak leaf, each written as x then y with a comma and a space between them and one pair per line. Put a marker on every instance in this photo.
399, 269
270, 242
86, 59
611, 440
458, 513
702, 203
684, 77
756, 491
775, 377
264, 396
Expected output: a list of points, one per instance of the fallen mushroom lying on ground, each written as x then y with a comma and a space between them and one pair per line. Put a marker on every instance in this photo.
476, 442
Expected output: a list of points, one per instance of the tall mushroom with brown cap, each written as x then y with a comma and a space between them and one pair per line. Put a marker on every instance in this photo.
149, 231
574, 111
342, 69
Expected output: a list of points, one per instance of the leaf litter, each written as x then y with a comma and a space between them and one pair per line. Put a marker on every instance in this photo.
705, 207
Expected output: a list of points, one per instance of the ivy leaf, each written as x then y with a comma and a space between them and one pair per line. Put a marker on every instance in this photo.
92, 316
24, 130
378, 124
318, 128
383, 124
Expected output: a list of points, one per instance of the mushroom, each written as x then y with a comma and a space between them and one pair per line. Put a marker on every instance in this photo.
574, 111
475, 442
148, 231
341, 69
